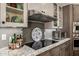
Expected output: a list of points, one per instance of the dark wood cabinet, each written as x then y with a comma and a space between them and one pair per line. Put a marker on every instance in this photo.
75, 12
46, 53
68, 16
76, 53
65, 49
66, 21
75, 22
61, 50
55, 51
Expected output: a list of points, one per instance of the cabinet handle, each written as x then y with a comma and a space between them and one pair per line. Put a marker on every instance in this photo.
3, 22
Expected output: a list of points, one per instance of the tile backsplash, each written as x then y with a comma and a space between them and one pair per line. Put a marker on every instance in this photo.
48, 33
27, 31
9, 32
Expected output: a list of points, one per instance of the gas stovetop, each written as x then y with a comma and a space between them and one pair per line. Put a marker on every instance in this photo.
40, 44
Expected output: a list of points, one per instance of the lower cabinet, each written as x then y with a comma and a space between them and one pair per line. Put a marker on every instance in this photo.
55, 51
46, 53
76, 53
61, 50
65, 49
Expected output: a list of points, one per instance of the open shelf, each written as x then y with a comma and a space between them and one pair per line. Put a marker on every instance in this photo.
14, 15
15, 10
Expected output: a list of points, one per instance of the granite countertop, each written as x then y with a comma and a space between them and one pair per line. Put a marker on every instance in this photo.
27, 51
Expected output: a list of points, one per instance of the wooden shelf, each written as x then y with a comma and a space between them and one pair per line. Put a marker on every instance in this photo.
15, 10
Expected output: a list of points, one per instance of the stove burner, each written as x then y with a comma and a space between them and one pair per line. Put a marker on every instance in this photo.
40, 44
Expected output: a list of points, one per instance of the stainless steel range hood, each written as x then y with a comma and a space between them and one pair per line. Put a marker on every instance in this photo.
38, 16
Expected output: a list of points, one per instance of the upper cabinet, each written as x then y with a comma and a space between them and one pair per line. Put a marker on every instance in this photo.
75, 12
13, 15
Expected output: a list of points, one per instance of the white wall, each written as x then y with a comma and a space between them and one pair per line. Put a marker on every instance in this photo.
8, 32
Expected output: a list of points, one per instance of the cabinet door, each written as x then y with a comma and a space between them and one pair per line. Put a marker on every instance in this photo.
76, 52
63, 52
65, 49
76, 12
55, 51
13, 15
68, 48
46, 53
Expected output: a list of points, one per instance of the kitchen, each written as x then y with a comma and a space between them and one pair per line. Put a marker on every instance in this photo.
39, 29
